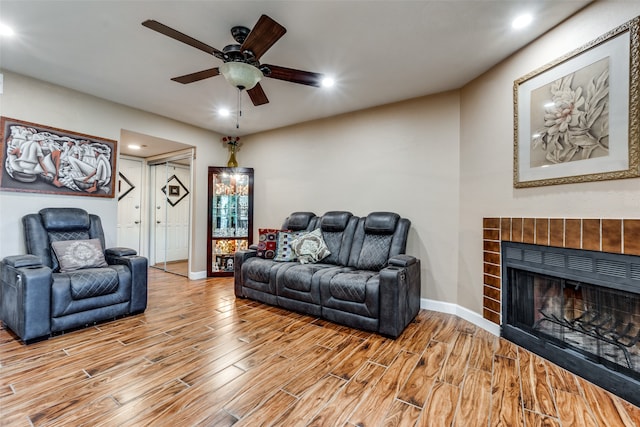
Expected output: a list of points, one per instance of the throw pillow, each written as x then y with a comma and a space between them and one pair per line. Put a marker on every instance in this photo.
78, 254
267, 242
284, 252
310, 247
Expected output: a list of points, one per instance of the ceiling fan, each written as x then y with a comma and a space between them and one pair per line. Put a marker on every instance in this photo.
241, 62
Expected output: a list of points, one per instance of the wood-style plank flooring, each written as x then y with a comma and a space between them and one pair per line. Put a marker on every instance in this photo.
198, 356
176, 267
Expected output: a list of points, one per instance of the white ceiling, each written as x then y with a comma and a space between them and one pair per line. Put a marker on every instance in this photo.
378, 51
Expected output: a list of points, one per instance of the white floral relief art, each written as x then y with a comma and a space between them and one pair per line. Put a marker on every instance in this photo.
570, 117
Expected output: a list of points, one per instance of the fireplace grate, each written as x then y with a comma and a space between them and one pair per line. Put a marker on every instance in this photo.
599, 326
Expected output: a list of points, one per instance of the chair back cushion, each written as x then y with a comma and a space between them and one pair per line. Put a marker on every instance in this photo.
378, 237
337, 229
300, 221
57, 224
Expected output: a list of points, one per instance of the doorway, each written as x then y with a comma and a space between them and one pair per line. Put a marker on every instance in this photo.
170, 213
130, 203
147, 194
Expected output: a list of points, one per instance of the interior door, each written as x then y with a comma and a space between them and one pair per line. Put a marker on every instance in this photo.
130, 204
177, 213
170, 215
158, 177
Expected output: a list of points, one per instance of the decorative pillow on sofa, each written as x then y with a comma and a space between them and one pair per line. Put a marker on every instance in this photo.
284, 251
78, 254
267, 242
310, 247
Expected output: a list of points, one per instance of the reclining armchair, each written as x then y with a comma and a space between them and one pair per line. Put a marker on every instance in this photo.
67, 280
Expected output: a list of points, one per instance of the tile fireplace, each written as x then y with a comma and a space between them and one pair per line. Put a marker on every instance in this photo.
568, 313
580, 309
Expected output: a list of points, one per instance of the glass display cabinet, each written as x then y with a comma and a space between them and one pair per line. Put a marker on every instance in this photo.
230, 221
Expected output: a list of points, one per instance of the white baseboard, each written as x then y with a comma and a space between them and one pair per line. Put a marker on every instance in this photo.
465, 313
197, 275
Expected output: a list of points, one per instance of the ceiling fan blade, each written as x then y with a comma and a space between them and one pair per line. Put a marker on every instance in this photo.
194, 77
295, 76
257, 95
181, 37
264, 34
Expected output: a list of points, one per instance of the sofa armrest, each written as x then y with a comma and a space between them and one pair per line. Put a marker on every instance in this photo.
238, 259
399, 295
26, 296
120, 251
18, 261
138, 266
402, 260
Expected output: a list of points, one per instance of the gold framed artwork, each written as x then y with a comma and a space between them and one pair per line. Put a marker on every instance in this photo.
41, 159
577, 119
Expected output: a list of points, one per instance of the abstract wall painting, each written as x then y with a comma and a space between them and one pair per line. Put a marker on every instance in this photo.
42, 159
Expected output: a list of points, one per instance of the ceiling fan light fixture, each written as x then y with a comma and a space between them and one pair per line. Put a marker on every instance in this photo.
522, 21
327, 82
241, 75
6, 30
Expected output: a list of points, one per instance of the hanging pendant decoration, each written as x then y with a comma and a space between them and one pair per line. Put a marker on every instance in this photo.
233, 145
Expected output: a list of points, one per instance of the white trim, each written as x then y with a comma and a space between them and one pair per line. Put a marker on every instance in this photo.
465, 313
197, 275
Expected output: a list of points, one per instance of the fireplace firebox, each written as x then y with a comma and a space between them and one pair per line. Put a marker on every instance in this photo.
580, 309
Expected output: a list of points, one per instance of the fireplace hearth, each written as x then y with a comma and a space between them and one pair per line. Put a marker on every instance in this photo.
580, 309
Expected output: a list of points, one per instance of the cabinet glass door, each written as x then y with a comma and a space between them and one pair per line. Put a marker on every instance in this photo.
230, 216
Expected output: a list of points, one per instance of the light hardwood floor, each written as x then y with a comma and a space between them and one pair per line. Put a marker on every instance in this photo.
175, 267
198, 356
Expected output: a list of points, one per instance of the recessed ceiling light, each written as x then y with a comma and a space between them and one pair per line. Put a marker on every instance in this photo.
327, 82
224, 112
134, 146
5, 30
522, 21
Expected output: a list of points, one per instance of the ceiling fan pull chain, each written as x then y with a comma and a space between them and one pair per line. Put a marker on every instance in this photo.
239, 111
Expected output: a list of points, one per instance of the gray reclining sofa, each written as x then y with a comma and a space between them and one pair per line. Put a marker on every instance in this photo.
367, 282
39, 297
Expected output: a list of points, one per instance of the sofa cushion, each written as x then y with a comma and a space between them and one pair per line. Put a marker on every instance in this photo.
93, 282
299, 221
310, 247
378, 237
349, 287
267, 242
338, 228
335, 221
299, 276
78, 254
65, 301
375, 252
258, 278
354, 291
62, 219
284, 251
257, 269
381, 223
301, 282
